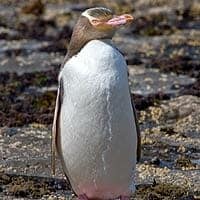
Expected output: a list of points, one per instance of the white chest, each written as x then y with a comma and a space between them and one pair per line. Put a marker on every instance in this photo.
96, 121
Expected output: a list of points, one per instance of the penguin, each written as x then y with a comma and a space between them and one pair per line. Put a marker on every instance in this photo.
95, 128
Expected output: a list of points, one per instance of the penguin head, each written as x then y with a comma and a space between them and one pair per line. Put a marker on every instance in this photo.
93, 24
103, 23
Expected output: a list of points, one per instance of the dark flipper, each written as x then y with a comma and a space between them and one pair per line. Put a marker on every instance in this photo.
137, 128
138, 132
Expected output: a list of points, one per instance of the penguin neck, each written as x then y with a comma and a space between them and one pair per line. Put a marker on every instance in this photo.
75, 47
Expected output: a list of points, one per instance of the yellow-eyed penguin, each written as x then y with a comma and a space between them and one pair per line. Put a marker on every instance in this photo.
95, 130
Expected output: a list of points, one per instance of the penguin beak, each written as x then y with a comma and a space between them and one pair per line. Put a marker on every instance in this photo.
120, 20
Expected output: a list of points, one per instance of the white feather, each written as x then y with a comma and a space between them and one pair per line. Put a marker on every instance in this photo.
98, 136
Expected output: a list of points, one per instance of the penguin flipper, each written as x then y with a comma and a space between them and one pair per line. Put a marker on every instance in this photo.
55, 127
137, 127
138, 132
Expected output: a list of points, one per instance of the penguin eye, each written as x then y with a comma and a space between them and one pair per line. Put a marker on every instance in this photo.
95, 22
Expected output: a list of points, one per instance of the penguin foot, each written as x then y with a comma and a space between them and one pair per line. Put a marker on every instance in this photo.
82, 197
124, 198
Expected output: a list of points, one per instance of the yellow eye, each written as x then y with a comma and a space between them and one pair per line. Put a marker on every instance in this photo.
95, 22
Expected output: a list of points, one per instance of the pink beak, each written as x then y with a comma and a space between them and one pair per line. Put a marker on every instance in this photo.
120, 20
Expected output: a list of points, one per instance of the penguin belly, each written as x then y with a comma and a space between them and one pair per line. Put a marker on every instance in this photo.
97, 132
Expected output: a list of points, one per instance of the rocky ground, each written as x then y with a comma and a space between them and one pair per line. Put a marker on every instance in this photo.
162, 48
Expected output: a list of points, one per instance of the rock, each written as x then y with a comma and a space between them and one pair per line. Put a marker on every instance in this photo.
155, 161
148, 81
33, 62
35, 7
